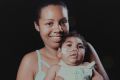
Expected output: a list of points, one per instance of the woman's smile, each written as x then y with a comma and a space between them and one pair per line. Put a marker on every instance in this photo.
56, 38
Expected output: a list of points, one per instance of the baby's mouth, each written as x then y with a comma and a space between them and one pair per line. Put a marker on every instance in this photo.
74, 55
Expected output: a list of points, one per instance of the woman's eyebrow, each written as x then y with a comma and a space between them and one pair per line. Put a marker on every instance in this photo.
64, 18
49, 19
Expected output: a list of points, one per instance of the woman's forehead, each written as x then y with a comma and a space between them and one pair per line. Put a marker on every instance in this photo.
53, 11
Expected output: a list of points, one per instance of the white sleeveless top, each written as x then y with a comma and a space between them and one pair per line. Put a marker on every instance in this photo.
40, 75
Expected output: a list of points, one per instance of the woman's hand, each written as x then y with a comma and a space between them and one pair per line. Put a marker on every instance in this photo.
96, 76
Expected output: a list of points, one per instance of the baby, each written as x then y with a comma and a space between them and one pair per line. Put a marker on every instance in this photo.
71, 66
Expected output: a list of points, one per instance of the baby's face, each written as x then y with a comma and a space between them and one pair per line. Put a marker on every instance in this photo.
73, 51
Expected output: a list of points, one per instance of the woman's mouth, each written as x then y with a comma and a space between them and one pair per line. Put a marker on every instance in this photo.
56, 38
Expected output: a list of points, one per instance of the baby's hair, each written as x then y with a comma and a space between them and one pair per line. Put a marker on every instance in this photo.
74, 34
39, 4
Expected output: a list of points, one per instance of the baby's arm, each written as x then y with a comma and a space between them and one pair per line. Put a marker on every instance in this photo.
96, 76
51, 74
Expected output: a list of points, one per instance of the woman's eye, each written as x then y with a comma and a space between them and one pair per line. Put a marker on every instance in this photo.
62, 22
81, 46
49, 24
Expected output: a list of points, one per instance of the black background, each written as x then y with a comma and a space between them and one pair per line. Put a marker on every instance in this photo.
97, 20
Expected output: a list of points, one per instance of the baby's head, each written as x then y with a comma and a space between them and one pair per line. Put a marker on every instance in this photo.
72, 49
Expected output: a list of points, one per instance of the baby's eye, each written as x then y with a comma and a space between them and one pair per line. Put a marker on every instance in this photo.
69, 45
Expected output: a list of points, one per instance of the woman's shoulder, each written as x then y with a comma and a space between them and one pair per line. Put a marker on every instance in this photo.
30, 61
28, 65
30, 57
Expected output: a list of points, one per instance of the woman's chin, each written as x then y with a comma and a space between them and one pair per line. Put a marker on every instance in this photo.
55, 45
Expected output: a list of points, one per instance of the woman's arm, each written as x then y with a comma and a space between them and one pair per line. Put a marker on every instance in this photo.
99, 67
25, 71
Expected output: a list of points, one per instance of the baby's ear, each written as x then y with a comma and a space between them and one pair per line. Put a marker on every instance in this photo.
59, 53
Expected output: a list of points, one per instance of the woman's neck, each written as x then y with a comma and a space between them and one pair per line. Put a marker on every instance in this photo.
52, 53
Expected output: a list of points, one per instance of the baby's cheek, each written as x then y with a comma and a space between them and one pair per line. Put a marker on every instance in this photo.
64, 51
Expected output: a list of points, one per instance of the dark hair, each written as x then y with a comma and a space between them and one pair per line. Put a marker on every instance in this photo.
39, 4
73, 34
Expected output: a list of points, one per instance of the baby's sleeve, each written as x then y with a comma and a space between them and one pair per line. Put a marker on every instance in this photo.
88, 70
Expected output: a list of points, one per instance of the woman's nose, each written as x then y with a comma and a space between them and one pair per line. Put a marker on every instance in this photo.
58, 28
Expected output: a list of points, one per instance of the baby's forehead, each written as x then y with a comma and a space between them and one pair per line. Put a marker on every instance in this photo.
73, 39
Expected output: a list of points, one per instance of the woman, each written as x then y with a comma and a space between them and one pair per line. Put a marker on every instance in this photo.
51, 21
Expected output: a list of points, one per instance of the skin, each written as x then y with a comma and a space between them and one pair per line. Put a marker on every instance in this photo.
73, 52
51, 26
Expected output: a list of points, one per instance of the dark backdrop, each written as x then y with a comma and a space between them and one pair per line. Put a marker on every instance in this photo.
97, 20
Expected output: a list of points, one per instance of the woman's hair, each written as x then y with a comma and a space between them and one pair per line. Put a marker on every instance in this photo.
39, 4
73, 34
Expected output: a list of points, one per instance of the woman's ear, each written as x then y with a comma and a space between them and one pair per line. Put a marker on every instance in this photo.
59, 53
36, 27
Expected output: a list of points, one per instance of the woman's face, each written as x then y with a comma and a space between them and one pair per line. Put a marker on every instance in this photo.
53, 24
73, 51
